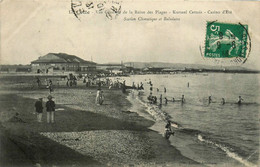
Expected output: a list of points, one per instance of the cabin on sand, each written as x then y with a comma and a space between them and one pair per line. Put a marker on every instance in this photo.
61, 62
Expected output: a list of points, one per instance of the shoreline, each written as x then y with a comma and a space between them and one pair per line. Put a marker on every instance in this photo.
185, 143
86, 119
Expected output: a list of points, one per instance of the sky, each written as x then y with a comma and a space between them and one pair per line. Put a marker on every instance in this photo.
31, 28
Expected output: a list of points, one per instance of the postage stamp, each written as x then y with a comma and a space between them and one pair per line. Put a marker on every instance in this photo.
227, 40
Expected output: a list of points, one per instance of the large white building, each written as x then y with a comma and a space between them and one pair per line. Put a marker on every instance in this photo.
61, 62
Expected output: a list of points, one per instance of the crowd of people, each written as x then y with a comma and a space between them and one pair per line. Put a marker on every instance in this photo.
88, 80
99, 82
152, 99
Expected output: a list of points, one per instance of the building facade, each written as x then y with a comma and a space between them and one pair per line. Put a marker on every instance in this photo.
61, 62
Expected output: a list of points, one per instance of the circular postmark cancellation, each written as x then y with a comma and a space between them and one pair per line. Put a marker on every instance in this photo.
226, 43
110, 9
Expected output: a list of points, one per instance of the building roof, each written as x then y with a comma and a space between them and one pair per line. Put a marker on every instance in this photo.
60, 58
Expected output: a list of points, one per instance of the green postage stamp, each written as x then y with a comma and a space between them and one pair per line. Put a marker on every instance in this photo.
225, 40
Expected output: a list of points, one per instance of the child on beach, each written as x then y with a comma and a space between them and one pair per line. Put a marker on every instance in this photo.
50, 86
168, 130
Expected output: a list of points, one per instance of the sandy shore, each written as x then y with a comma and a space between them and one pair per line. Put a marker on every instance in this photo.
84, 133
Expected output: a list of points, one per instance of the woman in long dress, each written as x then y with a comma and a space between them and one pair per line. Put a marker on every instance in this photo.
99, 97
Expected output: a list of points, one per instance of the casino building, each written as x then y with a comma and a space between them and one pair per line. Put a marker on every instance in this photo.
60, 63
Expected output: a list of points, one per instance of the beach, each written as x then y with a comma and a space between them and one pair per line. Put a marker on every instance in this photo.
213, 134
84, 134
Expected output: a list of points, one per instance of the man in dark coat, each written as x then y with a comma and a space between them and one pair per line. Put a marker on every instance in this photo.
39, 109
50, 108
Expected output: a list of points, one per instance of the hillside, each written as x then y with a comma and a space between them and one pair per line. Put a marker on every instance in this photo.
180, 66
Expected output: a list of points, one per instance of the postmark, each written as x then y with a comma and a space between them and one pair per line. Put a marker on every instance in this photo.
81, 8
226, 42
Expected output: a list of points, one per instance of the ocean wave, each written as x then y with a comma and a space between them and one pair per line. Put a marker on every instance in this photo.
227, 151
159, 115
155, 111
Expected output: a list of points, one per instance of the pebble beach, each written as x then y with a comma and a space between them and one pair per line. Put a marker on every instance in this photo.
84, 134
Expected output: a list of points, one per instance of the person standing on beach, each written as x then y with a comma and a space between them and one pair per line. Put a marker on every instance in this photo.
141, 86
123, 87
133, 85
38, 82
151, 87
99, 97
39, 109
67, 83
50, 108
164, 89
50, 86
47, 83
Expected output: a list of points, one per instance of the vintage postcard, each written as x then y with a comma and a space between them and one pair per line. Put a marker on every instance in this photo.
129, 83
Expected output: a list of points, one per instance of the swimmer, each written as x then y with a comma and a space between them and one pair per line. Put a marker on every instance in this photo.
173, 100
182, 99
223, 101
150, 98
210, 100
166, 100
155, 99
240, 100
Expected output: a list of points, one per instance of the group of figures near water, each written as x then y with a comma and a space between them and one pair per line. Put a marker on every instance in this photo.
153, 99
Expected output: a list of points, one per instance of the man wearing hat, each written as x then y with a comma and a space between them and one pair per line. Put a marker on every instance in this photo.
50, 108
39, 109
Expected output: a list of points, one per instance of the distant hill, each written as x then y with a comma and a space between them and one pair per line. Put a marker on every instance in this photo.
180, 66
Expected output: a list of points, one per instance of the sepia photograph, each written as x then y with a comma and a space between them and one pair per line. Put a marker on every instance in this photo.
129, 83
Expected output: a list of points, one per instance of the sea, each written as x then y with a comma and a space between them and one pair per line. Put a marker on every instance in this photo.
210, 133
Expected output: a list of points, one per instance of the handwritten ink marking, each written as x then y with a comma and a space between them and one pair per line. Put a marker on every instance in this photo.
111, 9
73, 5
